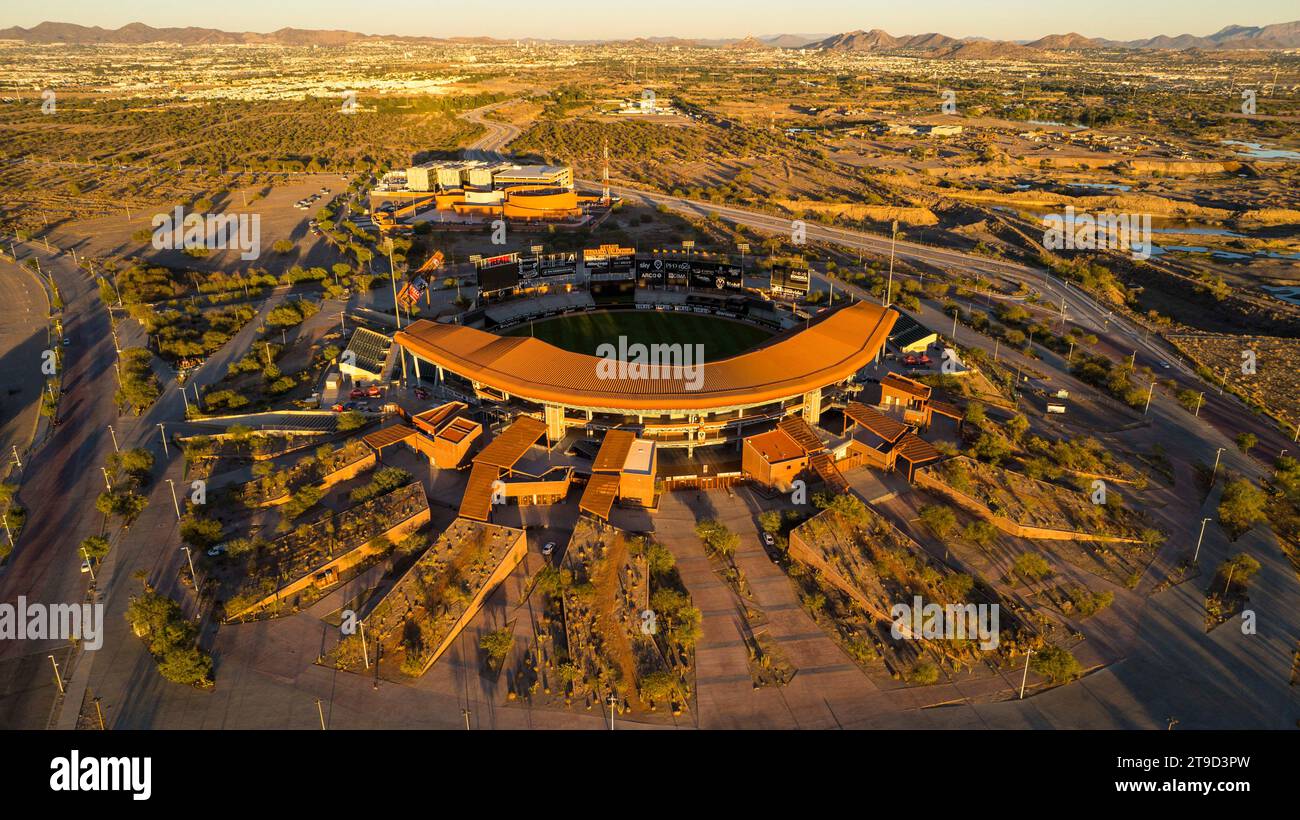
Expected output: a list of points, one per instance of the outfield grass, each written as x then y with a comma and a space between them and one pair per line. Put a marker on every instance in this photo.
584, 332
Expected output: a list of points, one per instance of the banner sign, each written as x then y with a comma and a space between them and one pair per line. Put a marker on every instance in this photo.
790, 281
549, 264
498, 272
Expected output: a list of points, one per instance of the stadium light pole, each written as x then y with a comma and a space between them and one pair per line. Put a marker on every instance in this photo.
889, 285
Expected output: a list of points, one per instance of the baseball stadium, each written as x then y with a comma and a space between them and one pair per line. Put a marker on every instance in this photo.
674, 406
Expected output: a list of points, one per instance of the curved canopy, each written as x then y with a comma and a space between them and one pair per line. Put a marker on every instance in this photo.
827, 352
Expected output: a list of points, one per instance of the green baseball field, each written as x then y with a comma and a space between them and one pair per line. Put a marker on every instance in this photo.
584, 332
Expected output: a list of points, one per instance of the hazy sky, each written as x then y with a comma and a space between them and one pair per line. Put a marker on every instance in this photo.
584, 19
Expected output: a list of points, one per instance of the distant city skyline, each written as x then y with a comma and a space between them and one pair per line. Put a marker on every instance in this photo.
713, 19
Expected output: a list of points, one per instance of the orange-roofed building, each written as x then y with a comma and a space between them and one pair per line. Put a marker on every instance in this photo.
774, 459
710, 406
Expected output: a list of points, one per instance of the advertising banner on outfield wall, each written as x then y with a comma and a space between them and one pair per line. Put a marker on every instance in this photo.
548, 264
716, 275
608, 262
654, 271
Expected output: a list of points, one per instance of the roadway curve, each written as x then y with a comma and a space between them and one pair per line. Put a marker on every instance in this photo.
1080, 307
1226, 411
498, 134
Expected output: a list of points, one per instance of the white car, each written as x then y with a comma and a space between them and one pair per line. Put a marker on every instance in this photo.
85, 565
548, 548
219, 549
768, 540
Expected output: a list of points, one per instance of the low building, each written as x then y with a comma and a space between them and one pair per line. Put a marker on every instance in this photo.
906, 396
624, 469
450, 434
910, 336
441, 434
773, 459
367, 356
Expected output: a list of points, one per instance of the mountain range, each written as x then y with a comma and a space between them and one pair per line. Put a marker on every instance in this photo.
1271, 37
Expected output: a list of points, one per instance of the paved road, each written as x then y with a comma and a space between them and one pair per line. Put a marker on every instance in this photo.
1080, 308
488, 146
61, 482
23, 337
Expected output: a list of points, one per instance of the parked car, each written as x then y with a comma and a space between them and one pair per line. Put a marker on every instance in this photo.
85, 565
357, 393
219, 549
338, 408
548, 548
373, 391
768, 540
422, 393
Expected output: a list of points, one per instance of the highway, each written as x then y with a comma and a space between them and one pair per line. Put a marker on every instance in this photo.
1118, 332
488, 146
1080, 308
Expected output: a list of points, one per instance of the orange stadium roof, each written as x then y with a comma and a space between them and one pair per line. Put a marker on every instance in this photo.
827, 352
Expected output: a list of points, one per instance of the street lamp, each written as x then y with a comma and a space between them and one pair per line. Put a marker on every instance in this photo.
1150, 390
193, 576
162, 432
171, 483
112, 433
1197, 553
1215, 471
1024, 678
89, 564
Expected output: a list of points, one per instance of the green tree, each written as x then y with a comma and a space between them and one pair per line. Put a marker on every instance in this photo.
1241, 506
981, 532
718, 540
350, 420
94, 547
200, 532
1032, 566
940, 519
497, 645
1055, 664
